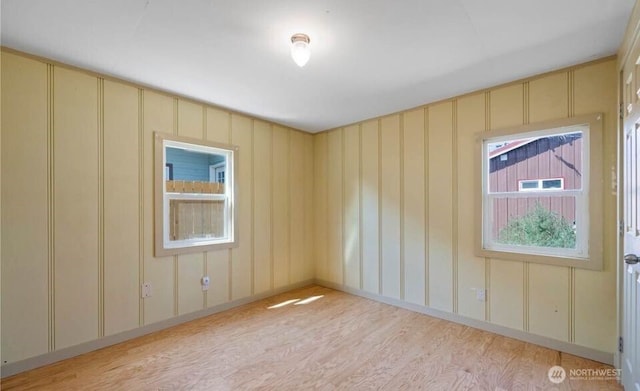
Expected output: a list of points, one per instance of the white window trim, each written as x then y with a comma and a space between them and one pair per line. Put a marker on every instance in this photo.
588, 252
163, 244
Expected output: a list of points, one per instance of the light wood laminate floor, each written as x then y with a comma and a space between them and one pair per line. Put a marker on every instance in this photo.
337, 341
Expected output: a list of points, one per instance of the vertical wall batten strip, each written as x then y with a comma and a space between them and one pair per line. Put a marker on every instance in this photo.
326, 211
360, 209
204, 254
101, 227
454, 203
289, 197
289, 203
309, 213
272, 262
343, 208
51, 207
572, 307
525, 295
425, 130
525, 266
229, 252
175, 257
140, 204
572, 270
487, 261
380, 276
402, 241
570, 94
252, 254
525, 103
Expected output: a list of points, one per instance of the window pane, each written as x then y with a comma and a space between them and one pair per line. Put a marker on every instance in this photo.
196, 219
529, 184
552, 184
535, 221
531, 159
194, 196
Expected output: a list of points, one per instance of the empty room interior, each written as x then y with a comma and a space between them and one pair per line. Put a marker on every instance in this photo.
289, 195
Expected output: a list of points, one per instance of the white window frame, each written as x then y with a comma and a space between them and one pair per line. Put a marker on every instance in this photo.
588, 251
164, 244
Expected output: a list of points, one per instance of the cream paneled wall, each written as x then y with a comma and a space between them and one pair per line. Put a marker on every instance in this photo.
384, 206
77, 208
394, 202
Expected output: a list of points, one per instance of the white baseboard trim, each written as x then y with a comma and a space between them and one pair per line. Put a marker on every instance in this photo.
86, 347
563, 346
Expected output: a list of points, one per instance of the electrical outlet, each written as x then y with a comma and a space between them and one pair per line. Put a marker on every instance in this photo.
146, 290
481, 294
205, 281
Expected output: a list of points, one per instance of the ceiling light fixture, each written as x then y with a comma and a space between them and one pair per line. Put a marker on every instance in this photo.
300, 51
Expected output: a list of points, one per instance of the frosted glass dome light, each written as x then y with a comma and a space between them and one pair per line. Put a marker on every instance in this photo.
300, 50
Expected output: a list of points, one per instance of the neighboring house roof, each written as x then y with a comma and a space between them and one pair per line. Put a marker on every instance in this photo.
510, 147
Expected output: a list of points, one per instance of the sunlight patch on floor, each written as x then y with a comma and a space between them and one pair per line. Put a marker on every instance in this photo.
284, 303
308, 300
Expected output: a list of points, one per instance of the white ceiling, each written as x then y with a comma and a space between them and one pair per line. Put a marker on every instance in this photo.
369, 57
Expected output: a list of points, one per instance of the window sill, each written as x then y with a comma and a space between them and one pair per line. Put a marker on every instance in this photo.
591, 263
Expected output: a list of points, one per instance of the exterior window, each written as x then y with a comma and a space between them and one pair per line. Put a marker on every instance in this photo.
216, 172
195, 195
541, 184
536, 204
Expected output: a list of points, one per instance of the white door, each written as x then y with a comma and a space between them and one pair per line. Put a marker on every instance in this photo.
631, 276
